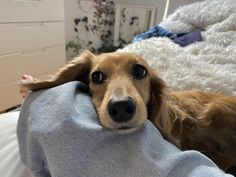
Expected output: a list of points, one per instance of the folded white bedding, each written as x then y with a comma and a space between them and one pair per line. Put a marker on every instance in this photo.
208, 65
10, 163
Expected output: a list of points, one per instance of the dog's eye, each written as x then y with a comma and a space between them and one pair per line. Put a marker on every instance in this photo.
98, 77
139, 71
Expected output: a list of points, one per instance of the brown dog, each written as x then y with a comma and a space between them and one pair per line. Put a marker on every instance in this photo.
126, 91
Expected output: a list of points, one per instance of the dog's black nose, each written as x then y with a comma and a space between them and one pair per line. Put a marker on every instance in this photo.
121, 110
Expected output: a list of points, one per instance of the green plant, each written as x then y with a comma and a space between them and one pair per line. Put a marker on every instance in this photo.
74, 46
102, 26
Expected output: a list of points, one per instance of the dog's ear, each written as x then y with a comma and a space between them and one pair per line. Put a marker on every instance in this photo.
77, 69
157, 87
158, 107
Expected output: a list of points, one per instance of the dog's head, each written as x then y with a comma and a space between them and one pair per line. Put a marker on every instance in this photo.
122, 86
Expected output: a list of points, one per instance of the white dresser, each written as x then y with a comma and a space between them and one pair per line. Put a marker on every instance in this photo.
32, 41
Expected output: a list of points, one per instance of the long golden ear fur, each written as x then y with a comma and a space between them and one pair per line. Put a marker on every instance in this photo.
77, 69
160, 115
157, 87
165, 116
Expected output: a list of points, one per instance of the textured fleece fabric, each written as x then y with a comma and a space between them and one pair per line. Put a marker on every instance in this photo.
60, 135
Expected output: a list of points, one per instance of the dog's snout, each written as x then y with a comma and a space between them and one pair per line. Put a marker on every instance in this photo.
121, 110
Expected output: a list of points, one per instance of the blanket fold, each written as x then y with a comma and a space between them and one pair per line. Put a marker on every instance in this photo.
209, 65
59, 135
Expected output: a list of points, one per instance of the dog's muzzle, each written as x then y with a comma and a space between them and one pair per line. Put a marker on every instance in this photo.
122, 109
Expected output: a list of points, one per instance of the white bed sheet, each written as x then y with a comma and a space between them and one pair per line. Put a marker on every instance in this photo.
10, 163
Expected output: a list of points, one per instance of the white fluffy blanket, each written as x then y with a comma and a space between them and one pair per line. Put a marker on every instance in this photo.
209, 65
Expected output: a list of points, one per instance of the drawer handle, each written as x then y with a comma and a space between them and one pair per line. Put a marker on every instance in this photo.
32, 52
30, 24
27, 1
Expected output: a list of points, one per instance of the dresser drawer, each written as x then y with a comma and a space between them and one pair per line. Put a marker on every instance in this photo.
37, 62
17, 37
9, 95
9, 92
31, 10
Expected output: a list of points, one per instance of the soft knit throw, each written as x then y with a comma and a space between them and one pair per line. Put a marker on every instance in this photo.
208, 65
59, 135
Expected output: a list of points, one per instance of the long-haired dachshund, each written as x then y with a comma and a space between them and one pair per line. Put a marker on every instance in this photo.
126, 91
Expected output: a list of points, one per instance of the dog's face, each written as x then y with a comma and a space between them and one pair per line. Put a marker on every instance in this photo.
121, 85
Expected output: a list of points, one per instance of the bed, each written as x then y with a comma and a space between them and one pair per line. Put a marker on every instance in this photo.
208, 65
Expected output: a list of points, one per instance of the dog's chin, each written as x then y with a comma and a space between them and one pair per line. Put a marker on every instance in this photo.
122, 127
122, 130
125, 128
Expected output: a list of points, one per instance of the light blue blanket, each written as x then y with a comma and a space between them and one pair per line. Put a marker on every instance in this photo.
59, 135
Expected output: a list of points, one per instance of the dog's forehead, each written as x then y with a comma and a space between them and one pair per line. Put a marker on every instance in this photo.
121, 59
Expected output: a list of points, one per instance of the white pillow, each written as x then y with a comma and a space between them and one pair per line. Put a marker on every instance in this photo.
10, 163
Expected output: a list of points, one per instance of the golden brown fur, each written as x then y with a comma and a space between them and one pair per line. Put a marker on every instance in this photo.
189, 119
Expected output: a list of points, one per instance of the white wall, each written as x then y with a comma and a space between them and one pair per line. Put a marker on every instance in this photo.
71, 12
72, 6
159, 4
79, 9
